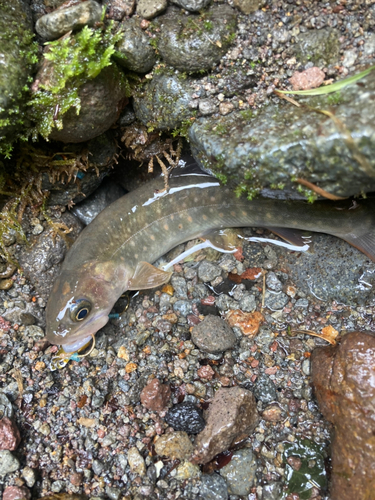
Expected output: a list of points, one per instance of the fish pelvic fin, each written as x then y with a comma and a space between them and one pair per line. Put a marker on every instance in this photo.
147, 276
364, 242
293, 236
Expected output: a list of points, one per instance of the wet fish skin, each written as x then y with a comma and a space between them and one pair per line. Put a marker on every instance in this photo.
110, 255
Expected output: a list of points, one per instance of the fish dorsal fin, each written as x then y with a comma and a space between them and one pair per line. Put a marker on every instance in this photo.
147, 276
293, 236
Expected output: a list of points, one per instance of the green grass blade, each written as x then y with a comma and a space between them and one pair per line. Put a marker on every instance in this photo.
334, 87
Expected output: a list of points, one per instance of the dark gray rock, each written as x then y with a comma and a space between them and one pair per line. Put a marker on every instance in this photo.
184, 307
240, 472
213, 487
185, 417
192, 5
208, 271
163, 102
107, 193
248, 302
60, 21
102, 100
40, 259
16, 30
278, 142
213, 335
135, 49
265, 389
189, 43
180, 287
321, 47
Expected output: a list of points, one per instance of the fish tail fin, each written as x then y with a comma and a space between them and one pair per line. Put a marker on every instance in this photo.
364, 242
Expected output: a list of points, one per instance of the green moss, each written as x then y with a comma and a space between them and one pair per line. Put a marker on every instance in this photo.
334, 99
220, 129
280, 185
310, 195
247, 114
183, 130
74, 60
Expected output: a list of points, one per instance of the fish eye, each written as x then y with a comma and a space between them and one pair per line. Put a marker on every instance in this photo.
80, 309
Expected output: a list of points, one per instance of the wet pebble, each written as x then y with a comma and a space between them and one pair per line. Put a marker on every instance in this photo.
208, 271
60, 21
213, 335
9, 434
187, 470
155, 395
264, 389
184, 307
214, 487
231, 413
240, 472
192, 5
200, 48
136, 462
248, 302
29, 476
6, 409
134, 50
150, 8
275, 300
272, 491
185, 417
273, 283
175, 445
180, 287
16, 493
8, 462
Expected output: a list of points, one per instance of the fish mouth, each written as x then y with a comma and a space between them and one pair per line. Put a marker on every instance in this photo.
75, 342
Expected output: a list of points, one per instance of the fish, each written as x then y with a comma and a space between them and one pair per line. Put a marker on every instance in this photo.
115, 252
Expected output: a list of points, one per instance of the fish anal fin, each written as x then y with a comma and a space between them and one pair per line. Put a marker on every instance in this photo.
293, 236
148, 276
365, 243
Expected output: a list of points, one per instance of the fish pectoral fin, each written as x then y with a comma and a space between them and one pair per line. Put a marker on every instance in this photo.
225, 240
294, 236
148, 276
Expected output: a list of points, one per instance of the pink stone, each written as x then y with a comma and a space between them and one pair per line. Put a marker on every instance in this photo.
309, 79
9, 435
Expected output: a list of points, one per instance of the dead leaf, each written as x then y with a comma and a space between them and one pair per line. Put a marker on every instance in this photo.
328, 333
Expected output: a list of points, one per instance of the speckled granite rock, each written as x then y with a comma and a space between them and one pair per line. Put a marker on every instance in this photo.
343, 377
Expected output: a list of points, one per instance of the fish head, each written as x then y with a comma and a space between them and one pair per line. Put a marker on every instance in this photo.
80, 302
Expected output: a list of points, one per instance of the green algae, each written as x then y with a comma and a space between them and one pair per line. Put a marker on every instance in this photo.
71, 61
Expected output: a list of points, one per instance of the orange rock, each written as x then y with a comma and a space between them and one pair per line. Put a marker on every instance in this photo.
248, 323
130, 367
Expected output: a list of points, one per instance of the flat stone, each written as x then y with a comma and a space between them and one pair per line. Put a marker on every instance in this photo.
175, 445
213, 335
240, 472
231, 413
343, 378
55, 24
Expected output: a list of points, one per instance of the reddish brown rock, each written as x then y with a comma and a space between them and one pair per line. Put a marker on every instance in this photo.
155, 395
232, 413
16, 493
308, 79
344, 381
9, 435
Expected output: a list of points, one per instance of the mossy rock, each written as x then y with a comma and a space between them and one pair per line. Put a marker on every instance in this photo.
18, 55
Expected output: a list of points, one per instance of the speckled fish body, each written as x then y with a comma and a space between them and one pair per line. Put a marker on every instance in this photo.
111, 254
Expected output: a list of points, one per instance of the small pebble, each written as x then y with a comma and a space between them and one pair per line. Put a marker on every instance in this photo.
186, 417
240, 472
213, 335
175, 445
